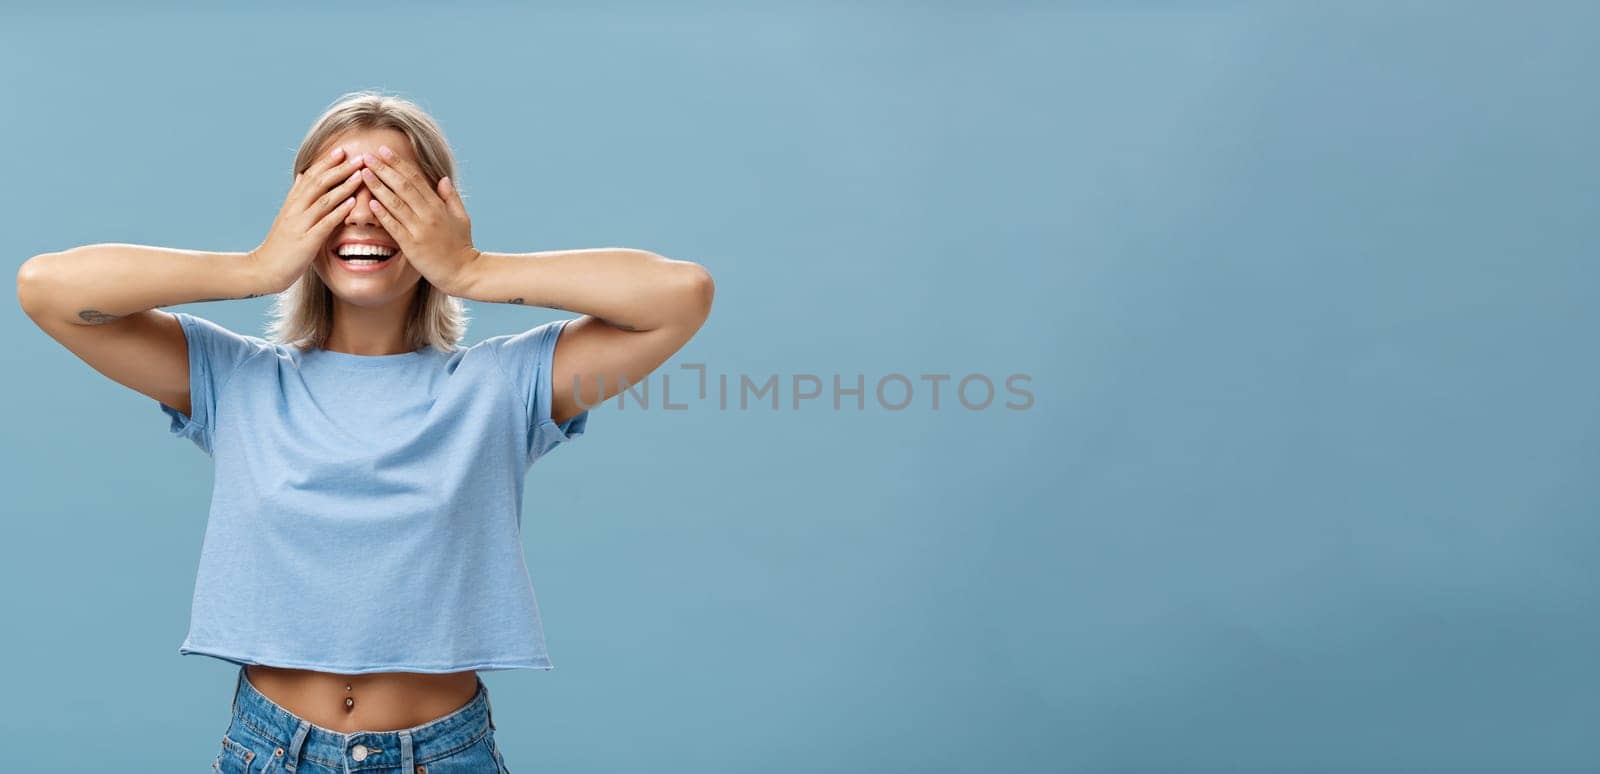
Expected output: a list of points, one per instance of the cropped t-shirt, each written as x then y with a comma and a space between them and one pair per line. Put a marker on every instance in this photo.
366, 510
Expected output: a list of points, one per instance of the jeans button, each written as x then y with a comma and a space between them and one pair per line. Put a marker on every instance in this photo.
358, 753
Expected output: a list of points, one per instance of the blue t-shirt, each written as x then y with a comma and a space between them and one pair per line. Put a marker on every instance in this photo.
366, 512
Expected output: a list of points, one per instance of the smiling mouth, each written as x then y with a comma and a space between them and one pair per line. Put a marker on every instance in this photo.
364, 260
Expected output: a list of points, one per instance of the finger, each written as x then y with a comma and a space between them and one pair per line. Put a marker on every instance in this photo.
333, 176
321, 164
415, 189
294, 192
387, 196
391, 224
452, 198
405, 180
332, 198
330, 221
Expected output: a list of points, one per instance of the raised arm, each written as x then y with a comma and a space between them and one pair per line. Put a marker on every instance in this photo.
104, 283
97, 301
639, 308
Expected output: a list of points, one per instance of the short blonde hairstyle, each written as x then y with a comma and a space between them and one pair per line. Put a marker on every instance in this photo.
302, 315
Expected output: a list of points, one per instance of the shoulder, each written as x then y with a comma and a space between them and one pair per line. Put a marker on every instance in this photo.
532, 337
195, 326
217, 352
522, 350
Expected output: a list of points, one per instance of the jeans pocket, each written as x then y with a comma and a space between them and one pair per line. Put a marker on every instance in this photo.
235, 758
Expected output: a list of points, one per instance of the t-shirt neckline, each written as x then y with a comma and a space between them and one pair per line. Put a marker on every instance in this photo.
346, 359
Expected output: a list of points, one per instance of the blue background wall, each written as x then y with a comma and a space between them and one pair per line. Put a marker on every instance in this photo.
1305, 292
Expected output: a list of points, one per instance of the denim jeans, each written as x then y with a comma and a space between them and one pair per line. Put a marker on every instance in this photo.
264, 737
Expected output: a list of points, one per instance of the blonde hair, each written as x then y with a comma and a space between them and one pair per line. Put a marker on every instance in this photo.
302, 315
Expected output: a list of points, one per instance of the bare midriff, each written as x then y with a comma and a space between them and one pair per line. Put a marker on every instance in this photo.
378, 701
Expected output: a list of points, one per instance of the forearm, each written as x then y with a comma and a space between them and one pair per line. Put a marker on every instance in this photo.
631, 289
99, 283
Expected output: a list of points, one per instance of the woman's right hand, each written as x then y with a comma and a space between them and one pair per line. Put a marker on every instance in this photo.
320, 197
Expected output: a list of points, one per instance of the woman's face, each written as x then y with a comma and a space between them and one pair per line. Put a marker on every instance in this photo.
375, 284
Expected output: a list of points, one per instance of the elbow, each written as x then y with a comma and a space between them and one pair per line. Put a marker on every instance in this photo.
30, 285
698, 290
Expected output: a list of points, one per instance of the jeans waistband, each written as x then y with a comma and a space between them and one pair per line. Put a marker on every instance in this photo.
301, 739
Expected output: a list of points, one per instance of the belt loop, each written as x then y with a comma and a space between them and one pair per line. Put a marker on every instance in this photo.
487, 702
408, 761
291, 754
238, 685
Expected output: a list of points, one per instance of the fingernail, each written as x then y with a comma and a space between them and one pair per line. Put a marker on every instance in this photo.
335, 153
384, 151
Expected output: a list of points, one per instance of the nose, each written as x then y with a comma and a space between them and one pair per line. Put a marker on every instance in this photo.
361, 214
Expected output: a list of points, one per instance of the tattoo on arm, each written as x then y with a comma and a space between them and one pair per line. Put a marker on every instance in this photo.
520, 300
97, 317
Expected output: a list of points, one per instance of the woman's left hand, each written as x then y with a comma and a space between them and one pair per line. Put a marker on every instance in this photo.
430, 224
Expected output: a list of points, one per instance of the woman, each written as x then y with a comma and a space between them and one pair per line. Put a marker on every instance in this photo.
362, 559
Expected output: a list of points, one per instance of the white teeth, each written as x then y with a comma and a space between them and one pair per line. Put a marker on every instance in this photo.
365, 250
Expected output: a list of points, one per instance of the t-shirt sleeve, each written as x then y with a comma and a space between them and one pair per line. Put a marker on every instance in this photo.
526, 359
215, 353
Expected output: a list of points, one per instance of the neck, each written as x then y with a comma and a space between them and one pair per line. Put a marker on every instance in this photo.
370, 330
